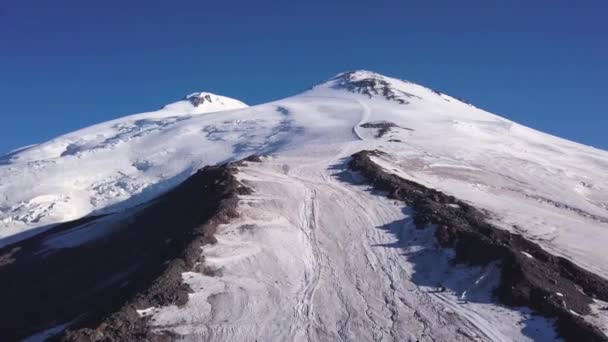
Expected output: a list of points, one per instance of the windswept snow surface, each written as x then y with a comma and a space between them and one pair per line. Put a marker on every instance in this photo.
291, 269
313, 256
119, 163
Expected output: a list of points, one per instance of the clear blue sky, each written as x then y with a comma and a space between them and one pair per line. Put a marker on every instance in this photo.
68, 64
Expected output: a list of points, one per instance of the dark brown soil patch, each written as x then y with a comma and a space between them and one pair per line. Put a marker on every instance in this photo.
98, 285
551, 285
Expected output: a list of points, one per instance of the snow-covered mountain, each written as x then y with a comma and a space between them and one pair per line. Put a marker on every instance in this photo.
112, 165
316, 247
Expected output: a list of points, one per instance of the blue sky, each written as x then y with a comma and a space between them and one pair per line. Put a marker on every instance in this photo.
69, 64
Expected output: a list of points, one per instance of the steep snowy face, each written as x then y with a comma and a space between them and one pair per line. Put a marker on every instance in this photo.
549, 189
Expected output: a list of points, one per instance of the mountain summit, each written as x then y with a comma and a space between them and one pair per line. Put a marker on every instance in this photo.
365, 208
204, 102
371, 84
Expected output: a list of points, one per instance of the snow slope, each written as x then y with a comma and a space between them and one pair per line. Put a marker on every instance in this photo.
311, 254
317, 276
111, 165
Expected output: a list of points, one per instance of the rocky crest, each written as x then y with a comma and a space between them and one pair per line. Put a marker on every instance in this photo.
199, 98
530, 276
97, 286
371, 84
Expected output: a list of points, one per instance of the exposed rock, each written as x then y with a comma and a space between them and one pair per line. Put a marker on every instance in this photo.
252, 159
383, 127
197, 99
97, 286
551, 285
373, 85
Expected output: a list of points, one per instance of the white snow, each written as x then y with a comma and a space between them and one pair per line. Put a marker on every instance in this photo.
599, 315
527, 254
290, 269
147, 312
313, 257
112, 165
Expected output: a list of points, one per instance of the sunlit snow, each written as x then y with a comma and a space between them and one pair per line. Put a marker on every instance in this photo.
313, 257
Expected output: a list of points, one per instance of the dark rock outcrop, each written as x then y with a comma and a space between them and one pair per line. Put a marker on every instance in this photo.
383, 127
371, 86
198, 99
95, 287
530, 276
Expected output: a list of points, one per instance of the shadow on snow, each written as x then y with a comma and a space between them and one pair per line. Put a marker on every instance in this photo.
433, 269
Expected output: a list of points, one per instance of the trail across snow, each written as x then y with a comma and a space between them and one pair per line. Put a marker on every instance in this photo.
366, 114
291, 269
314, 257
